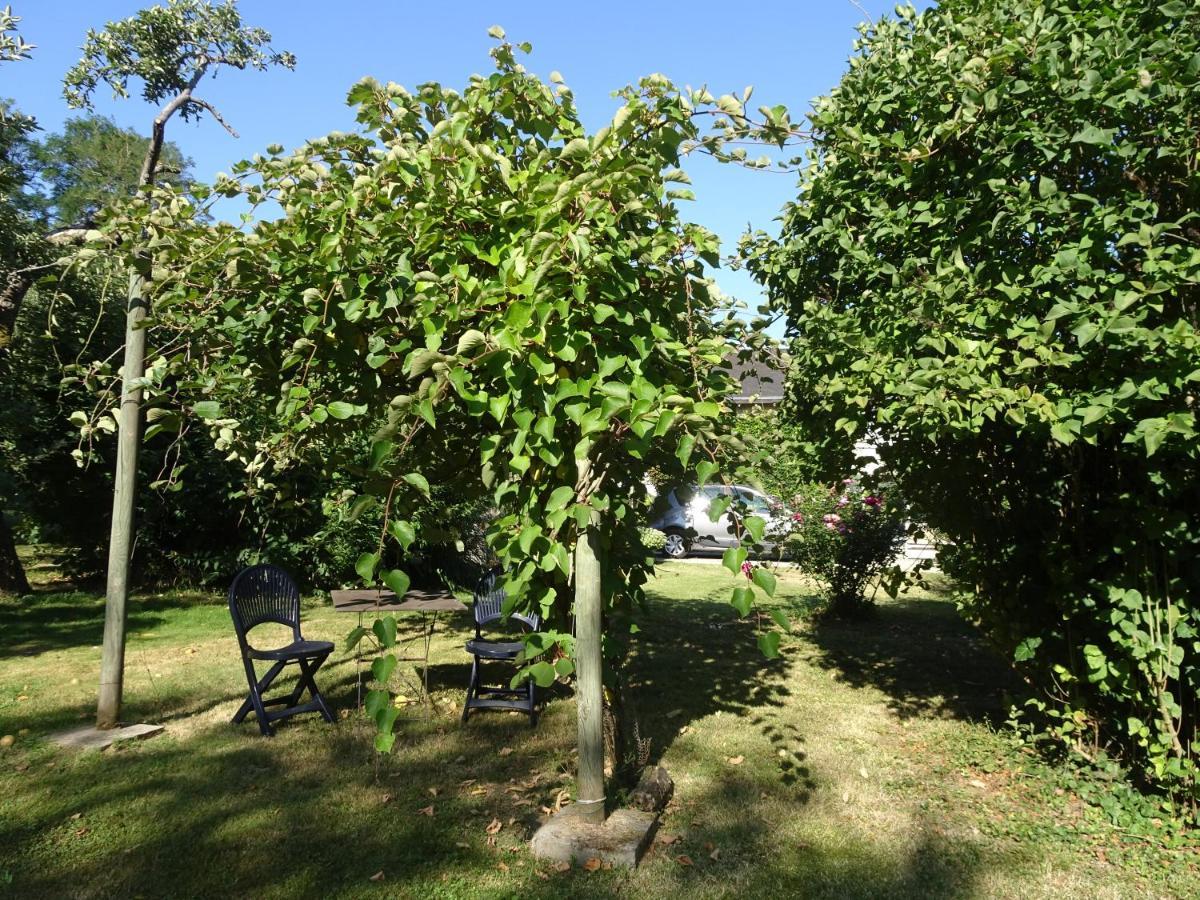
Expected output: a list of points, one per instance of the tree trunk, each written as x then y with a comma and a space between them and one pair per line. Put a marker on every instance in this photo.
589, 694
12, 573
129, 436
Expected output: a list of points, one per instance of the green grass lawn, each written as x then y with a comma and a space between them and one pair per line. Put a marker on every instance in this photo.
861, 764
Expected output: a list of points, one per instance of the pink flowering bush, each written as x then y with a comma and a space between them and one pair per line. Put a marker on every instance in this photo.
845, 537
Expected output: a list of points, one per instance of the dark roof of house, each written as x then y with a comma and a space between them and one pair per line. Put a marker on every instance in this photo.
761, 378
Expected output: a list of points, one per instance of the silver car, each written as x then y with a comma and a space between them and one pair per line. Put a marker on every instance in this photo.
683, 517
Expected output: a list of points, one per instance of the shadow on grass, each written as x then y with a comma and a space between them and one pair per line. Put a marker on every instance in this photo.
694, 659
922, 655
42, 622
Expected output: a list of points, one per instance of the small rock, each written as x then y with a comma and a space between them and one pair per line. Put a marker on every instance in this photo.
7, 741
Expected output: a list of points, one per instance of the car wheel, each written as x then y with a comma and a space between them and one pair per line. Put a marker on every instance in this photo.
677, 545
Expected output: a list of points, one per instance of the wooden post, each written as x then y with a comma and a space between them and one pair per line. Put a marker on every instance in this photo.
129, 436
589, 692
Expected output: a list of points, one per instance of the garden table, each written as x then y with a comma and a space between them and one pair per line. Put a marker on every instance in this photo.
427, 605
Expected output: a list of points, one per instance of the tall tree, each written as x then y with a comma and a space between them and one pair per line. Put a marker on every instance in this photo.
169, 50
91, 162
994, 266
497, 293
15, 241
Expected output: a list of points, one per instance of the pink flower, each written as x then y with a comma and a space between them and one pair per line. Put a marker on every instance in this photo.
843, 502
833, 521
747, 569
798, 517
872, 500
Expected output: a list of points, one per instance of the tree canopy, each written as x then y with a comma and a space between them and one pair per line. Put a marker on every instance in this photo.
490, 289
992, 266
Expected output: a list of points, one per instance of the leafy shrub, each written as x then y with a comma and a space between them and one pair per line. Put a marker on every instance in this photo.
652, 539
844, 536
993, 267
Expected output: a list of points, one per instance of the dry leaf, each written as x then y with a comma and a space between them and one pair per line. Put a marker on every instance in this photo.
709, 845
562, 867
863, 772
845, 796
716, 854
736, 760
502, 866
494, 826
433, 792
477, 791
975, 782
425, 810
463, 845
684, 860
378, 876
80, 832
387, 798
540, 874
592, 864
76, 816
667, 839
505, 751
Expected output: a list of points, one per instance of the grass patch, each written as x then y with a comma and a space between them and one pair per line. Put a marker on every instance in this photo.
863, 763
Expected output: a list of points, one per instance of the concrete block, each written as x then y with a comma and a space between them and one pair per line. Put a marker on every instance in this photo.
93, 738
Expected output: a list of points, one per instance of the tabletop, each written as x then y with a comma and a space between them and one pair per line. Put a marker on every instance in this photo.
381, 601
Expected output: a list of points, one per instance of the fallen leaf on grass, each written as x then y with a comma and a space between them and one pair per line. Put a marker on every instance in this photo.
736, 760
494, 826
387, 798
975, 782
505, 751
666, 839
433, 792
80, 832
592, 864
540, 874
462, 845
502, 866
863, 773
562, 867
684, 860
378, 876
716, 854
425, 810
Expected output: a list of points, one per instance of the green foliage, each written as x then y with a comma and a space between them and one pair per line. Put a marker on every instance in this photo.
499, 299
779, 453
652, 539
93, 162
992, 266
845, 537
169, 48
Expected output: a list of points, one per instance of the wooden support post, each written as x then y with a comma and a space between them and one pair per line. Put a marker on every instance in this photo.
589, 692
129, 434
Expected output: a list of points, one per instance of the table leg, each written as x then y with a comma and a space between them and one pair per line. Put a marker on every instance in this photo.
358, 664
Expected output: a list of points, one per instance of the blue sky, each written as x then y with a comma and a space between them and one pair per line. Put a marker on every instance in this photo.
791, 52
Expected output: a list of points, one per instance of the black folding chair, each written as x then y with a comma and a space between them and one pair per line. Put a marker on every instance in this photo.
489, 602
267, 594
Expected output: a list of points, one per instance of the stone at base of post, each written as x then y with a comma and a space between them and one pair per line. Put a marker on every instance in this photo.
620, 841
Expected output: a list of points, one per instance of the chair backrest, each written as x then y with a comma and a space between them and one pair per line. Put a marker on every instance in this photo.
489, 604
264, 594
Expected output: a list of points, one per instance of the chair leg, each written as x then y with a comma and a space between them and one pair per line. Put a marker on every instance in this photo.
532, 703
254, 698
308, 669
472, 687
